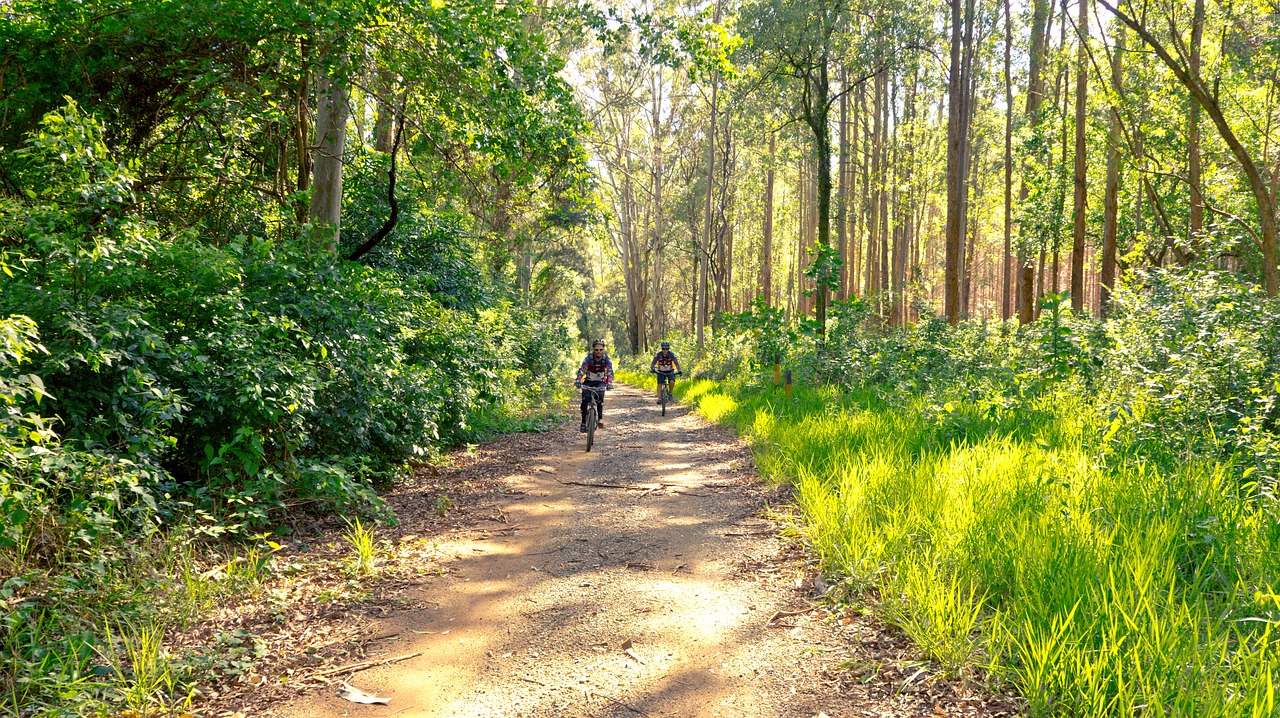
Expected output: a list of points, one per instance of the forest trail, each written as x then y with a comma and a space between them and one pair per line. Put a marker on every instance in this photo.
533, 618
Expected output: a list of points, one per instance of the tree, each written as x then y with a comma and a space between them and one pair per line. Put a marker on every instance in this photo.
1208, 101
1080, 197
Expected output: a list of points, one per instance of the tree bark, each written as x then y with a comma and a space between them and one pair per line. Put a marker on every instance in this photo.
842, 211
1111, 203
331, 136
707, 219
302, 144
957, 146
1193, 135
1006, 303
875, 186
1035, 98
1081, 158
766, 260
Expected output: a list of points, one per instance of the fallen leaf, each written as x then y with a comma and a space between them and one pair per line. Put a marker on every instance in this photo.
355, 695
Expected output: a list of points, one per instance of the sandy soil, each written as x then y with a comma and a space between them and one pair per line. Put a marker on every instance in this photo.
657, 593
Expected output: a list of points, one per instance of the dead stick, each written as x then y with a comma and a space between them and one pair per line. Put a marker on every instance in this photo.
364, 665
617, 702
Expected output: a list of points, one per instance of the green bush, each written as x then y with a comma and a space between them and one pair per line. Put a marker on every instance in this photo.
238, 379
1084, 508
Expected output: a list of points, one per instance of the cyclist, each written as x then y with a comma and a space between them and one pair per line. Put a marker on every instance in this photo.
667, 367
595, 375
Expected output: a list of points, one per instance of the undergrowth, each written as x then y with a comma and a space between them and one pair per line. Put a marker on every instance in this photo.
1082, 512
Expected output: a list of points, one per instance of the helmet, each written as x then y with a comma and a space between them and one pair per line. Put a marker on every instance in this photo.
597, 343
666, 345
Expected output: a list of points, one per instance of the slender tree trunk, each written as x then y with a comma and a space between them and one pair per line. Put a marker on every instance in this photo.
707, 219
1035, 98
1193, 135
842, 211
302, 142
874, 188
766, 261
1081, 186
1111, 203
1006, 305
331, 135
957, 109
821, 125
385, 120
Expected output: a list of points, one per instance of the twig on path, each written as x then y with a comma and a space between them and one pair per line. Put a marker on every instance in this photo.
364, 665
617, 702
535, 682
798, 612
544, 553
629, 487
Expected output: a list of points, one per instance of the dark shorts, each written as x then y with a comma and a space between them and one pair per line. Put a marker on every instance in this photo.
666, 376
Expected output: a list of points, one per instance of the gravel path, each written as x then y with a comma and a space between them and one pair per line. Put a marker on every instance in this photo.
656, 594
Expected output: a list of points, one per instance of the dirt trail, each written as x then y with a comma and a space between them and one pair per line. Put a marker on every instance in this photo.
533, 616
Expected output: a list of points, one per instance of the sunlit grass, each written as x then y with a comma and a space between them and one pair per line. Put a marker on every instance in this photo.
363, 546
1094, 583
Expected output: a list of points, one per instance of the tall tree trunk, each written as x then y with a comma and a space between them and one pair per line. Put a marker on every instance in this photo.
659, 300
385, 119
1006, 304
707, 219
766, 260
875, 187
957, 141
842, 211
1081, 186
1111, 203
302, 143
1035, 98
331, 136
820, 123
1193, 136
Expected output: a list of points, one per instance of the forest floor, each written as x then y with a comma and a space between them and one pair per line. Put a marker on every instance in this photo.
529, 578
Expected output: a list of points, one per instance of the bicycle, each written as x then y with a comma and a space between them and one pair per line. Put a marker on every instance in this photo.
664, 388
593, 411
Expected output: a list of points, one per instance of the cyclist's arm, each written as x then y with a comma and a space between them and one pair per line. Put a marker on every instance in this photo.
608, 371
676, 360
653, 363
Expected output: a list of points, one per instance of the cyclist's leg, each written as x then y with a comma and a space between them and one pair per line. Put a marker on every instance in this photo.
600, 406
586, 400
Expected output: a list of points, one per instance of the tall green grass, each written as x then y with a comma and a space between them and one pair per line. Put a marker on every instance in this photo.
1095, 584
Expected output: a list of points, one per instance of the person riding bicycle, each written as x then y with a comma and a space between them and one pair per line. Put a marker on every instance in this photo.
594, 377
667, 367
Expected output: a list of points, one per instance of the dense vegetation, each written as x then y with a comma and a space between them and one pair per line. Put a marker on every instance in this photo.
195, 352
1084, 511
258, 258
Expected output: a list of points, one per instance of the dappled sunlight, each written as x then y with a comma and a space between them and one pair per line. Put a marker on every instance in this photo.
605, 550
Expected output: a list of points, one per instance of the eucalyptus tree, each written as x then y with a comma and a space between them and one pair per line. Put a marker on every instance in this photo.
1246, 127
799, 45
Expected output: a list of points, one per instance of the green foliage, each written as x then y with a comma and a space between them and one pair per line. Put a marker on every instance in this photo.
153, 381
1083, 509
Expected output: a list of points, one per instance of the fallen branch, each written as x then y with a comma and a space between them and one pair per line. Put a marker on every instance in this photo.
628, 487
619, 703
364, 665
797, 612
